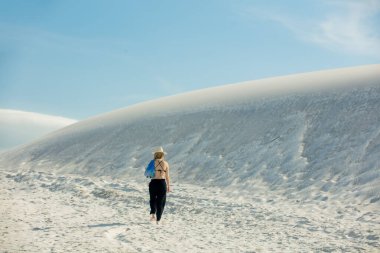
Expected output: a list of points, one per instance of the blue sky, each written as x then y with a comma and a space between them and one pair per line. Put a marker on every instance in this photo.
77, 58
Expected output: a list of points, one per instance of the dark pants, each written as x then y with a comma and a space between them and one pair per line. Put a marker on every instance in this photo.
157, 192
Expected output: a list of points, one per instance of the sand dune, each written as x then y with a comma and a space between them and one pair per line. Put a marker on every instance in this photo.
287, 164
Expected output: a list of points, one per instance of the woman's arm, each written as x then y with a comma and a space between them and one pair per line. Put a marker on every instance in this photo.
167, 178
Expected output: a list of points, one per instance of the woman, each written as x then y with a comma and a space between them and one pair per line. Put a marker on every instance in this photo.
159, 185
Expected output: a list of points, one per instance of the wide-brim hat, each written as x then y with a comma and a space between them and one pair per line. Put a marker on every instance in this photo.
159, 150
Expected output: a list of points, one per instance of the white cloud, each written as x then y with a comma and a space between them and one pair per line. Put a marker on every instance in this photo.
348, 26
19, 127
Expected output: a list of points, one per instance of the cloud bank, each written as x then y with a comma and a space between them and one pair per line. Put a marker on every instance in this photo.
19, 127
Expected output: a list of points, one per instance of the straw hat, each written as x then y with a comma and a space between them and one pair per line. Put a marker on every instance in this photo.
159, 150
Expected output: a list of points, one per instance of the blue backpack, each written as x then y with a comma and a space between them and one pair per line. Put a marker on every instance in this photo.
150, 170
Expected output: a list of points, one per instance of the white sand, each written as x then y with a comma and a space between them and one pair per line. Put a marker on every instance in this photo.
19, 127
48, 213
287, 164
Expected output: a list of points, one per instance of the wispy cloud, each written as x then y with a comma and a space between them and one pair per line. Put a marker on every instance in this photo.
348, 26
351, 27
29, 39
167, 86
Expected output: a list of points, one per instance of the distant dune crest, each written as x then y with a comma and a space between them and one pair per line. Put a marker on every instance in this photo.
19, 127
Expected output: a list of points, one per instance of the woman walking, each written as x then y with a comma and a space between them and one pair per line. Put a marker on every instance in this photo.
159, 185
